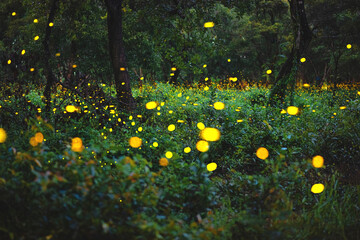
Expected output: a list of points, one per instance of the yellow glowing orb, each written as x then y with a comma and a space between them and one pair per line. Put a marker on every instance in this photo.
135, 142
317, 188
219, 106
122, 69
187, 150
155, 144
210, 134
268, 72
172, 74
9, 61
74, 66
151, 105
283, 111
36, 21
211, 166
36, 38
342, 107
168, 155
13, 13
209, 25
292, 110
173, 69
51, 24
206, 88
3, 135
171, 127
23, 52
77, 144
39, 137
140, 129
229, 60
204, 66
70, 108
306, 85
202, 146
348, 46
262, 153
200, 125
163, 162
57, 54
302, 60
318, 161
32, 69
33, 142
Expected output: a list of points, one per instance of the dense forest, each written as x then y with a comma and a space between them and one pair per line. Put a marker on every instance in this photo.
179, 119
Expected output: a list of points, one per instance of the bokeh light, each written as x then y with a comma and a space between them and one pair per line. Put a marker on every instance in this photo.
202, 146
210, 134
135, 142
211, 167
209, 24
219, 106
187, 150
163, 162
168, 154
39, 137
318, 161
292, 110
317, 188
151, 105
171, 127
200, 126
262, 153
77, 144
3, 135
33, 142
70, 108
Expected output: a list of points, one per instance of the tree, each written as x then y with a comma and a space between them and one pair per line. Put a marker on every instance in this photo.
50, 77
302, 38
117, 54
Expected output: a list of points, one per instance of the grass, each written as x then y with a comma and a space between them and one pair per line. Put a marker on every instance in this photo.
110, 189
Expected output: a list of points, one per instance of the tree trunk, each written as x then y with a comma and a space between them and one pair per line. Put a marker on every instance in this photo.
50, 77
303, 36
117, 55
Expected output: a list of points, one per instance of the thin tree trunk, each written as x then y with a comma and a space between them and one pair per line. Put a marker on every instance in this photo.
303, 38
50, 77
117, 55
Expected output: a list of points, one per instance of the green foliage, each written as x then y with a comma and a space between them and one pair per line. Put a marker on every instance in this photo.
111, 190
